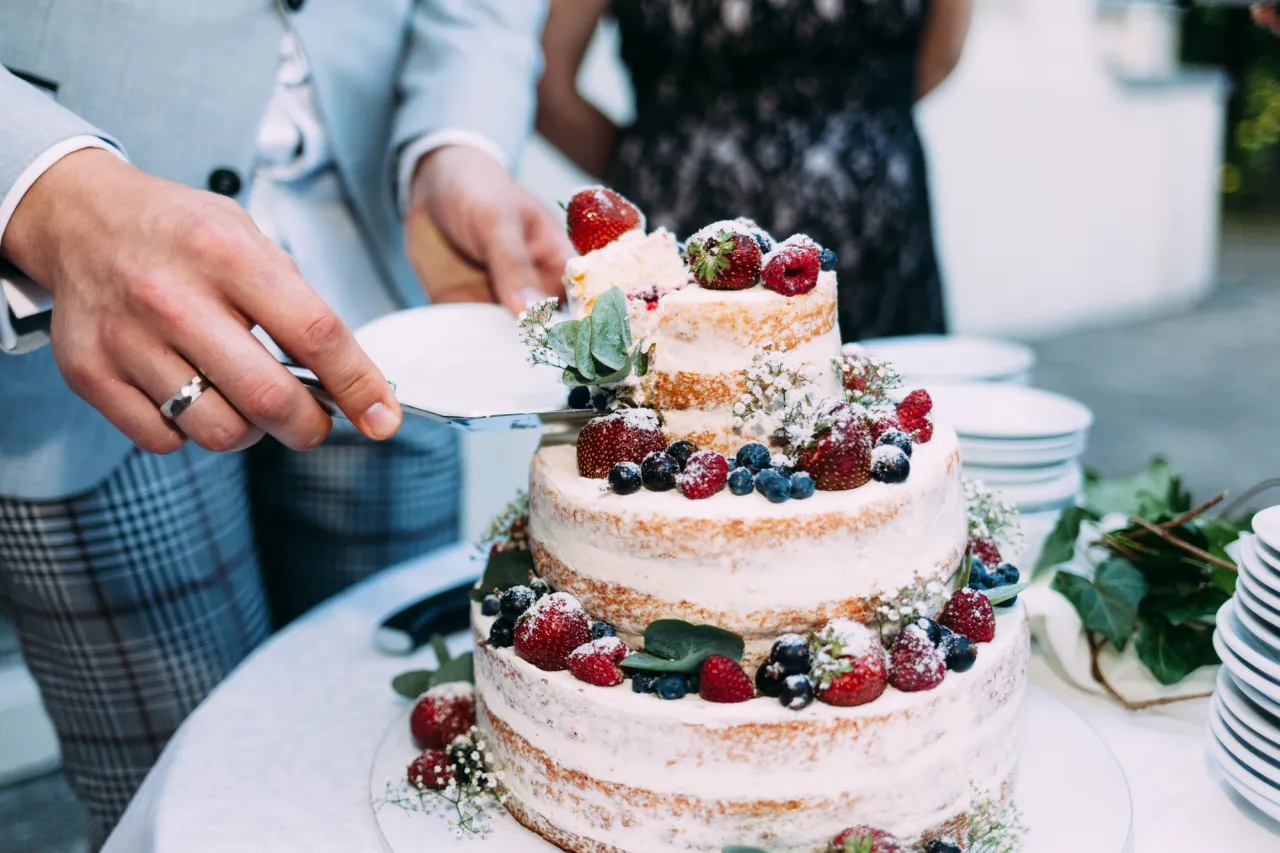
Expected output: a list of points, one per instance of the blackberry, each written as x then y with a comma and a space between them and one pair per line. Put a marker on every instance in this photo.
644, 683
769, 679
961, 653
797, 692
502, 634
516, 601
791, 652
741, 482
602, 401
625, 478
659, 471
889, 464
672, 686
801, 486
691, 683
898, 439
933, 629
681, 451
540, 587
490, 606
600, 630
754, 456
942, 845
827, 260
773, 486
580, 397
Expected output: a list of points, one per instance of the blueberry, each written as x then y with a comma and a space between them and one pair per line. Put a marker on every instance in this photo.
764, 241
801, 486
691, 683
490, 605
898, 439
942, 845
580, 397
889, 464
681, 451
754, 456
540, 587
741, 482
672, 686
791, 652
1008, 602
933, 629
644, 683
797, 692
600, 630
516, 601
1008, 574
773, 486
827, 260
961, 653
625, 478
502, 633
659, 471
980, 577
769, 679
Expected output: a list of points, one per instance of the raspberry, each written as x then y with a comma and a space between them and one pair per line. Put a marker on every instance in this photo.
970, 613
704, 475
792, 268
627, 436
442, 714
597, 216
722, 680
551, 630
915, 664
597, 662
865, 839
922, 431
431, 771
841, 459
883, 424
916, 406
724, 258
986, 551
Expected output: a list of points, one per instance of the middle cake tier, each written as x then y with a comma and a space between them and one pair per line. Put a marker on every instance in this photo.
753, 567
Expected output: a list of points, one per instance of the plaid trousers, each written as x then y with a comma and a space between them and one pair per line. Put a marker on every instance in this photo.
132, 601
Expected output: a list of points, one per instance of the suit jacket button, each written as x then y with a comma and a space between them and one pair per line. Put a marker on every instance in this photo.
225, 182
294, 5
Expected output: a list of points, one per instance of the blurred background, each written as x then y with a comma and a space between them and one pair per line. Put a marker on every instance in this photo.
1106, 189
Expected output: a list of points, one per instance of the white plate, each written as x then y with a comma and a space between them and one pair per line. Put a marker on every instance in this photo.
1269, 555
1266, 773
1247, 647
1001, 477
1063, 443
1251, 715
1014, 458
1264, 594
1066, 771
1253, 565
989, 410
1267, 525
951, 358
1240, 778
1034, 497
460, 360
1266, 755
1259, 687
1257, 621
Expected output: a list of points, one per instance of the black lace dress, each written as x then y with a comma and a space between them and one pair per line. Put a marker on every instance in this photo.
797, 113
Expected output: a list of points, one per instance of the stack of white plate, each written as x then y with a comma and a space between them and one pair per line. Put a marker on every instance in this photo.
927, 360
1244, 719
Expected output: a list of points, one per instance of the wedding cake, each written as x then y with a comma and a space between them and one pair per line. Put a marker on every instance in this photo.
754, 606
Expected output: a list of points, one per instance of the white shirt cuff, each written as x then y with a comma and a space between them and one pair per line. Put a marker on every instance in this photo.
413, 152
19, 294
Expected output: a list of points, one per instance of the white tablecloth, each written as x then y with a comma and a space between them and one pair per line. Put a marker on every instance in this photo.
277, 759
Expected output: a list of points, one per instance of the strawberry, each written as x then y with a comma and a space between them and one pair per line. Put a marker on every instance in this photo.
551, 630
865, 839
862, 684
597, 216
848, 663
986, 551
597, 662
723, 680
913, 414
792, 268
725, 259
431, 771
915, 664
626, 436
970, 613
442, 714
704, 475
841, 459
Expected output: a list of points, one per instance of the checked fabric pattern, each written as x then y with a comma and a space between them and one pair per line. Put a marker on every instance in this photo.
134, 600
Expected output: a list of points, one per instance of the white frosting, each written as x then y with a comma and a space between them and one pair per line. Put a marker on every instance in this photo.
905, 762
711, 354
635, 263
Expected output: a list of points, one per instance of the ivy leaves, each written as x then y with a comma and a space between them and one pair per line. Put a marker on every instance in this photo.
1109, 602
671, 645
597, 350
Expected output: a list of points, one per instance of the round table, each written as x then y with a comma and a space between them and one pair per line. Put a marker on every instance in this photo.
277, 758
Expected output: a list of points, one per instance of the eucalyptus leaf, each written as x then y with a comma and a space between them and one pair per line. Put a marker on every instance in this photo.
610, 329
645, 662
1172, 652
1060, 547
414, 683
1002, 594
504, 570
673, 638
582, 359
618, 376
461, 668
441, 648
1109, 603
563, 340
642, 358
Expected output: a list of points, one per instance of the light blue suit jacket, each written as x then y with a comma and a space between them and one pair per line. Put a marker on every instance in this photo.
182, 86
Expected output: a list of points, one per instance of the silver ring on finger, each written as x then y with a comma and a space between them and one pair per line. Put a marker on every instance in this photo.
187, 394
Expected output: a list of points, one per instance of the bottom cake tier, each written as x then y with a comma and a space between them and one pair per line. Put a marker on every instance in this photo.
606, 770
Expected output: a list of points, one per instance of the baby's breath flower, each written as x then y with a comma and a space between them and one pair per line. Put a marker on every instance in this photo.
992, 517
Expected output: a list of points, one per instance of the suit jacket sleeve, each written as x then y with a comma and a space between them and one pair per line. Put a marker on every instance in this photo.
471, 65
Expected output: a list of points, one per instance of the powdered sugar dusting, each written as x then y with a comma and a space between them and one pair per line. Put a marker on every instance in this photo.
715, 229
452, 690
557, 603
646, 419
795, 241
836, 646
612, 647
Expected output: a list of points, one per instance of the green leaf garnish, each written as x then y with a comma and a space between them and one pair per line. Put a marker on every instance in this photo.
1001, 594
1148, 494
441, 648
1172, 652
671, 645
1060, 547
563, 340
1109, 603
504, 570
582, 361
461, 668
414, 683
610, 330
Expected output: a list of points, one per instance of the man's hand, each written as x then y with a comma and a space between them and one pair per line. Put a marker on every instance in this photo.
497, 230
153, 281
1267, 17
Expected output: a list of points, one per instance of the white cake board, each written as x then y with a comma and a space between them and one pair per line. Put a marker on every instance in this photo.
1071, 790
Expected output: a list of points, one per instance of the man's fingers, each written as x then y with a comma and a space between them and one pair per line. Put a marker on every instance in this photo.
550, 247
515, 280
128, 409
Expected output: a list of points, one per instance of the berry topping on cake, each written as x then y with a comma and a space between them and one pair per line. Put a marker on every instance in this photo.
1007, 575
802, 485
797, 692
516, 600
741, 482
792, 268
681, 451
502, 633
625, 479
762, 237
626, 436
600, 630
960, 653
721, 679
882, 424
659, 472
969, 613
791, 652
551, 630
981, 577
540, 587
580, 397
986, 551
841, 458
753, 456
848, 663
932, 630
597, 662
865, 839
597, 216
896, 438
490, 606
862, 684
442, 714
889, 464
431, 771
641, 683
769, 678
827, 260
773, 486
913, 414
942, 845
671, 686
915, 664
705, 474
723, 256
